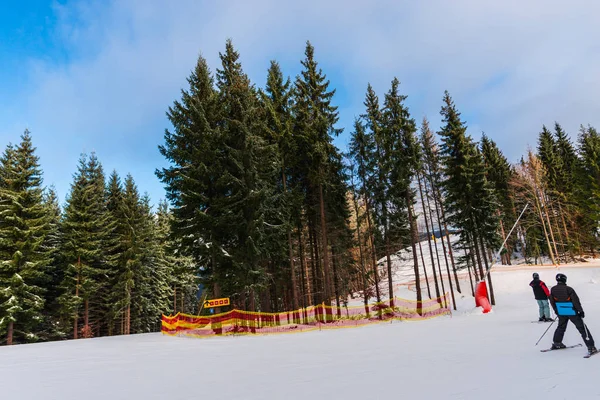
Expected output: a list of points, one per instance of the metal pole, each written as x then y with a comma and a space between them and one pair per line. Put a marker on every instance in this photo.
505, 240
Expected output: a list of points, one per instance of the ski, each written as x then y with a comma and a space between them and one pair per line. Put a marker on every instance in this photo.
568, 347
540, 322
590, 354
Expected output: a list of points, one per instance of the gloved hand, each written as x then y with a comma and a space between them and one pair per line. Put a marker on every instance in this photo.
581, 314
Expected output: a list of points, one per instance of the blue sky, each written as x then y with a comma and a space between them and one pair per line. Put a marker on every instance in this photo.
100, 75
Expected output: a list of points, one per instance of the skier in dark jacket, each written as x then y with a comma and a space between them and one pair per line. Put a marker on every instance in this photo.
541, 293
567, 306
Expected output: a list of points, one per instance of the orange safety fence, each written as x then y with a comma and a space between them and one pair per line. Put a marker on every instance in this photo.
238, 322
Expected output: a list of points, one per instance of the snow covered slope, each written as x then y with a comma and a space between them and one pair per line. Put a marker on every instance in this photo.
466, 356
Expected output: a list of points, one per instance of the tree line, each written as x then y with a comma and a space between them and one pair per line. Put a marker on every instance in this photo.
263, 208
103, 264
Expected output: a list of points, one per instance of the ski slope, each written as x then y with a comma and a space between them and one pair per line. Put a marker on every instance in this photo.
467, 356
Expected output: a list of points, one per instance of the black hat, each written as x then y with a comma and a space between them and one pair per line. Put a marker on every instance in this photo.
561, 278
536, 275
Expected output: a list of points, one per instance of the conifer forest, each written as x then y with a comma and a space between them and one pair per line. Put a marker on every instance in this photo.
263, 208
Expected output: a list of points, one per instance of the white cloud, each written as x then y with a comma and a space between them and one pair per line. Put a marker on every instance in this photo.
510, 66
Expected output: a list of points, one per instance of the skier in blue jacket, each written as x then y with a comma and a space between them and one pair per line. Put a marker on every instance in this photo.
566, 305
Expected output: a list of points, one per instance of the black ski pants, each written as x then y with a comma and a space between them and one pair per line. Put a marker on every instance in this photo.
578, 322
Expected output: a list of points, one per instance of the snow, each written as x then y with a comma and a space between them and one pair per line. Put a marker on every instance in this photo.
469, 355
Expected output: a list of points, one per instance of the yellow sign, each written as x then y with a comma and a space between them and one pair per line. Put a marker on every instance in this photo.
216, 302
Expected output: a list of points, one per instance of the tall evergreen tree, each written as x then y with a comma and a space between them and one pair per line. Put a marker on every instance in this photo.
249, 173
468, 198
191, 182
24, 226
381, 183
314, 128
403, 158
587, 188
54, 272
277, 103
499, 174
86, 227
362, 148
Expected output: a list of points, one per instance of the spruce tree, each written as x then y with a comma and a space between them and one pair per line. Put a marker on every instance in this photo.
469, 201
587, 185
54, 272
362, 148
249, 173
380, 185
191, 182
24, 226
86, 228
550, 158
499, 174
277, 104
313, 131
401, 148
428, 166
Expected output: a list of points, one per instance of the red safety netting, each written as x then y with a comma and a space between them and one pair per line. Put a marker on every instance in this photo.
237, 322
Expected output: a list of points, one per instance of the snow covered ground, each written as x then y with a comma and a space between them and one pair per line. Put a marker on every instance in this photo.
467, 356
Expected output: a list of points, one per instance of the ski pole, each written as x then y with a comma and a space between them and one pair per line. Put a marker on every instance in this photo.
554, 320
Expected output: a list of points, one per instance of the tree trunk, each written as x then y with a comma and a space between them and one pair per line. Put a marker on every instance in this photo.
303, 266
174, 300
336, 288
568, 239
557, 258
86, 319
503, 239
314, 262
488, 271
291, 253
363, 268
435, 279
325, 245
476, 246
75, 324
437, 254
450, 251
437, 212
9, 337
470, 275
557, 229
373, 251
424, 265
539, 208
413, 240
389, 268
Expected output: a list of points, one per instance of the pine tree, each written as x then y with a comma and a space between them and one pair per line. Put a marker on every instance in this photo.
469, 202
362, 148
401, 148
427, 166
249, 173
191, 182
548, 155
587, 185
179, 271
313, 131
380, 184
277, 103
86, 228
499, 174
24, 226
129, 221
54, 272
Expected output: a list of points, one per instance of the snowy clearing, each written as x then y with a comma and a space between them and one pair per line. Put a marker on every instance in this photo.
467, 356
